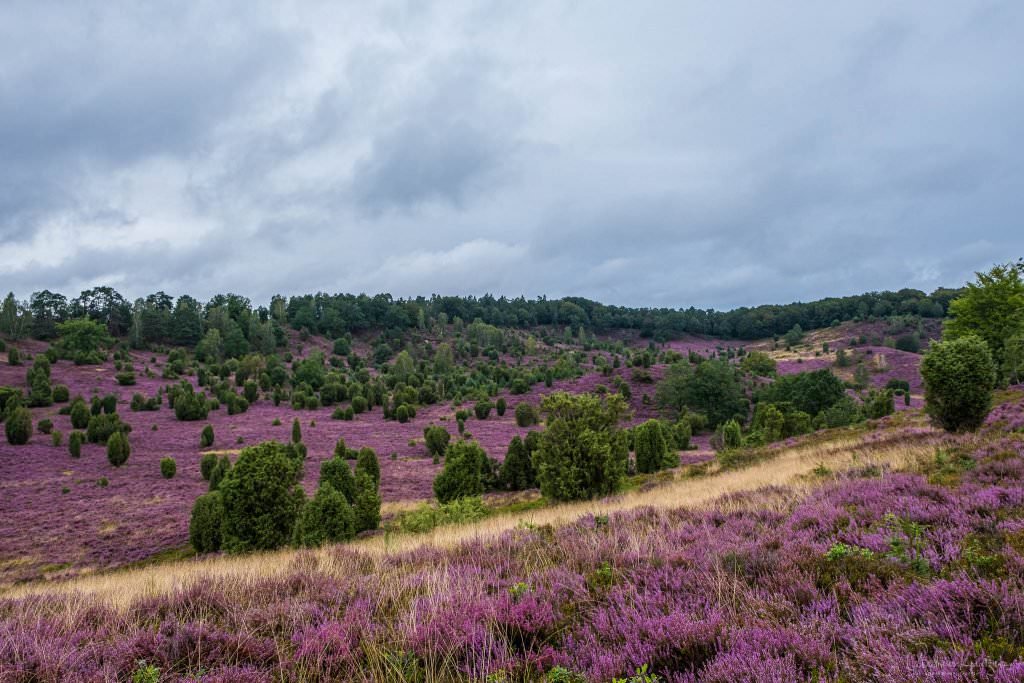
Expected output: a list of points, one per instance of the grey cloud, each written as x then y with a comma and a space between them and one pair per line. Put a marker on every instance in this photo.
656, 154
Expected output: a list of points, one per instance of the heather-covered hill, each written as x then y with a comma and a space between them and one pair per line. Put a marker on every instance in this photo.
906, 566
137, 514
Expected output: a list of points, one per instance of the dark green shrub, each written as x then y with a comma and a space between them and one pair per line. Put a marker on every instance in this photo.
125, 379
402, 414
811, 392
168, 468
366, 505
463, 472
296, 431
219, 471
326, 518
900, 385
207, 464
582, 453
712, 388
57, 437
44, 426
482, 409
759, 364
367, 462
682, 432
769, 422
519, 386
189, 406
728, 436
109, 403
80, 414
40, 393
61, 393
651, 447
10, 398
436, 438
140, 403
959, 379
909, 342
118, 449
102, 426
204, 527
251, 391
842, 413
517, 472
526, 415
261, 497
500, 406
359, 405
75, 444
798, 422
206, 437
878, 404
336, 472
236, 404
18, 426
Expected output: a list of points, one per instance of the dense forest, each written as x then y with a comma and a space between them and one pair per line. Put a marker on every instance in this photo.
159, 318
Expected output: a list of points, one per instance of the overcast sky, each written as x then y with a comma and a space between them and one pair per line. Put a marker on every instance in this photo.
671, 153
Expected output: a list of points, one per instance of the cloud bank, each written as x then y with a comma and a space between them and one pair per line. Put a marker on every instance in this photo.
649, 153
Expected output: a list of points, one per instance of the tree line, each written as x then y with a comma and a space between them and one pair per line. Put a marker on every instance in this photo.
160, 318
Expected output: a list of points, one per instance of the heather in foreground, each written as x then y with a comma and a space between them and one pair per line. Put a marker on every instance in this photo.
878, 575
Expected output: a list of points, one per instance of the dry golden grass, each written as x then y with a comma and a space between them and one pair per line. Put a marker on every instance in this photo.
793, 468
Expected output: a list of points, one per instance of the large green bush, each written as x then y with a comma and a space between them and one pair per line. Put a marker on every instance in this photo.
61, 393
219, 471
991, 308
206, 523
517, 471
712, 388
526, 414
366, 505
75, 444
118, 449
463, 472
206, 437
811, 392
326, 518
482, 409
651, 447
82, 341
337, 473
80, 414
189, 405
207, 463
40, 391
18, 427
367, 462
582, 453
436, 438
262, 498
959, 378
168, 468
101, 427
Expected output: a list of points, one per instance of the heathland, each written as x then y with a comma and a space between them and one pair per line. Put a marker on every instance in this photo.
542, 490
